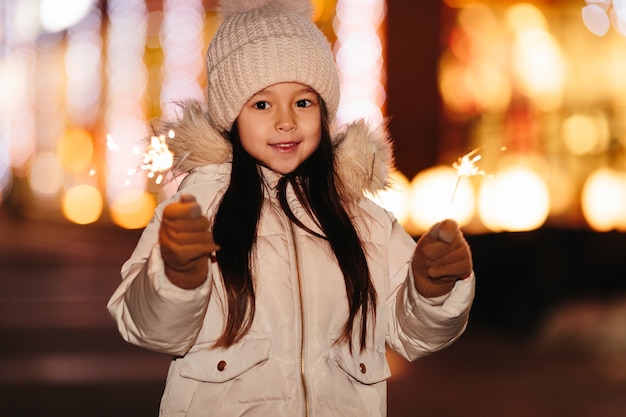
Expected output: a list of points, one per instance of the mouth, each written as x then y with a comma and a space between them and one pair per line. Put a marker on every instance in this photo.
285, 146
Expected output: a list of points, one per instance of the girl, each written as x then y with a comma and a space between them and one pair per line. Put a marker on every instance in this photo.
274, 283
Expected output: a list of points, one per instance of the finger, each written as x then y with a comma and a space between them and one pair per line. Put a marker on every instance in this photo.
179, 256
199, 224
437, 249
434, 230
458, 270
445, 278
186, 239
457, 262
182, 210
200, 242
445, 231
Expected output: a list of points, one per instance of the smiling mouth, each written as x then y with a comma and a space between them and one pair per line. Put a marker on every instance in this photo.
285, 147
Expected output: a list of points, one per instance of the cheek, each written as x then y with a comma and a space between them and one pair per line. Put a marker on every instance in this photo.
248, 143
248, 135
314, 132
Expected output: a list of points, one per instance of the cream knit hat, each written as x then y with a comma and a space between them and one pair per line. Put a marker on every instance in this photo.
261, 43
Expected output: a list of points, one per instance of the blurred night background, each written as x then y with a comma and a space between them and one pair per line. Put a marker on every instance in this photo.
530, 96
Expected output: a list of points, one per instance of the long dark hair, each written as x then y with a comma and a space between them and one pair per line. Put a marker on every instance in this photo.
235, 228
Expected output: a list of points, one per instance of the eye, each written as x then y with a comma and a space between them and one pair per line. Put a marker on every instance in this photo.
261, 105
304, 103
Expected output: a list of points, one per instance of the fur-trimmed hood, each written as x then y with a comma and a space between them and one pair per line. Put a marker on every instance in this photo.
363, 154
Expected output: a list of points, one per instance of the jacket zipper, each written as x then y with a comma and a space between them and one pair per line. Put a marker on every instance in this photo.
302, 335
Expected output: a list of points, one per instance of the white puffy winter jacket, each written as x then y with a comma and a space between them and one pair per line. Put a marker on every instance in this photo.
288, 364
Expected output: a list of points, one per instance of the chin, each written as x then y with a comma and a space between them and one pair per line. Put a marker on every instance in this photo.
283, 170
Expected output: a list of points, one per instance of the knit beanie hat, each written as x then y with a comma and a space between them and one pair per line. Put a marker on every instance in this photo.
261, 43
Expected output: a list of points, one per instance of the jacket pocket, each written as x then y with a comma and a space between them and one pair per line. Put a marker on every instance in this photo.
224, 364
367, 367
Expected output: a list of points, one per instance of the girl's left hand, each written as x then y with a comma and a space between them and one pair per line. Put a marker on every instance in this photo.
442, 257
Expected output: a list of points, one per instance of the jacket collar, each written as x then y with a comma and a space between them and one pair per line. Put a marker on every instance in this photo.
363, 153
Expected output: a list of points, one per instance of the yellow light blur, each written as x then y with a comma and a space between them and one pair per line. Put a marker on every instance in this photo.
318, 9
431, 197
492, 88
455, 86
46, 175
525, 16
604, 199
584, 134
479, 21
473, 72
75, 150
539, 68
132, 209
563, 191
514, 199
396, 197
82, 204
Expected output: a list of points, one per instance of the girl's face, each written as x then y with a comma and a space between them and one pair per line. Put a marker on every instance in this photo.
280, 126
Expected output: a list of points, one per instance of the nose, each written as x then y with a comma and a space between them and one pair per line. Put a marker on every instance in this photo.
285, 121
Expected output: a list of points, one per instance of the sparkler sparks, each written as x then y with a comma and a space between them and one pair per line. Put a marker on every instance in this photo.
466, 167
157, 158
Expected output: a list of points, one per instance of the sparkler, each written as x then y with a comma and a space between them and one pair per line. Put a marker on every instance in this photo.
466, 167
157, 158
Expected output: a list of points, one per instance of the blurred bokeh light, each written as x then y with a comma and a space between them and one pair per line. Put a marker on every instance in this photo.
132, 209
604, 199
359, 55
82, 204
395, 198
515, 199
438, 193
83, 80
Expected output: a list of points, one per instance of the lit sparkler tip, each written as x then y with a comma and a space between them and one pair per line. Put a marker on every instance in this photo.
465, 166
157, 158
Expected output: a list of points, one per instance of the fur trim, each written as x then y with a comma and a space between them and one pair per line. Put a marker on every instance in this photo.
228, 8
363, 154
364, 159
196, 142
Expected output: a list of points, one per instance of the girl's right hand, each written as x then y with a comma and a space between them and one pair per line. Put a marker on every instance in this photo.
442, 257
186, 243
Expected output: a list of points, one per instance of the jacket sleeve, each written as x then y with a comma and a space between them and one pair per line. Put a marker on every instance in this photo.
418, 325
150, 311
